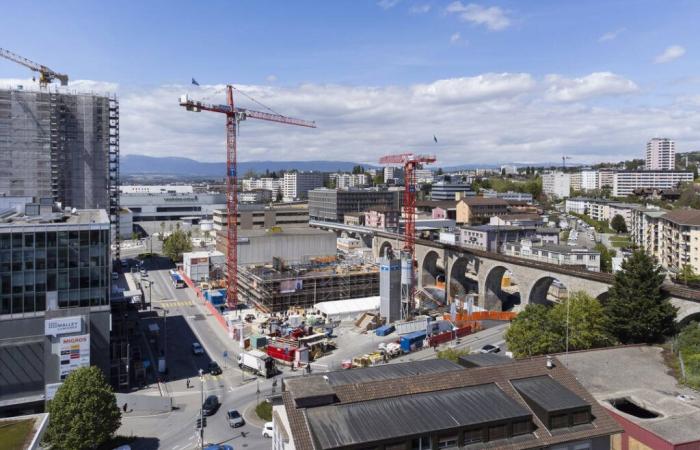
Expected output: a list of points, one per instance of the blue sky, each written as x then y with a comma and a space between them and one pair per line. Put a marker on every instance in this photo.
370, 72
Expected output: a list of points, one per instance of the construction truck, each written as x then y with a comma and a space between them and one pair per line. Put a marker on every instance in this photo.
257, 362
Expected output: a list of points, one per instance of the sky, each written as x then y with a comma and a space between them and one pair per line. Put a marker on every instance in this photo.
494, 81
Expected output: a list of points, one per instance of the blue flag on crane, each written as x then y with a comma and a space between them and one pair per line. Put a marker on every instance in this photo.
195, 82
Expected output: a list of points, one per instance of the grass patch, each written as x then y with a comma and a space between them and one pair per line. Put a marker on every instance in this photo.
16, 434
619, 242
264, 411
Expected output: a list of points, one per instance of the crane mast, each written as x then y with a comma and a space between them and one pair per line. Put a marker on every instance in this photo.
410, 163
46, 75
234, 116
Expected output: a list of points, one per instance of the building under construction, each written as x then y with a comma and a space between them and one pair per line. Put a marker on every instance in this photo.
61, 145
276, 288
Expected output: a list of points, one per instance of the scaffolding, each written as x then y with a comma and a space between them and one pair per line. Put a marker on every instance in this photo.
303, 285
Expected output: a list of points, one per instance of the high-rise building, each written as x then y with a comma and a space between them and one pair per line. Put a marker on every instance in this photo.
660, 155
63, 146
626, 181
557, 184
298, 184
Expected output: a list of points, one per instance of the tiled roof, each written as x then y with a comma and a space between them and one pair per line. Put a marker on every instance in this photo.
684, 216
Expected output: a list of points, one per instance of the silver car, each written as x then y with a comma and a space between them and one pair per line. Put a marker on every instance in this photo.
234, 418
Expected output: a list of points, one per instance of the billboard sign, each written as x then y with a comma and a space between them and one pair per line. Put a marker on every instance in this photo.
74, 352
63, 325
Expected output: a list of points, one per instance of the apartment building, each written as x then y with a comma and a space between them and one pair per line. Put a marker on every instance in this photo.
382, 218
626, 181
645, 229
274, 185
556, 184
479, 210
264, 216
349, 180
393, 175
332, 204
297, 184
660, 154
424, 175
554, 254
606, 178
509, 196
679, 236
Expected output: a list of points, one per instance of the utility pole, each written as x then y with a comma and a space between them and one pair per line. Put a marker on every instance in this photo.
201, 409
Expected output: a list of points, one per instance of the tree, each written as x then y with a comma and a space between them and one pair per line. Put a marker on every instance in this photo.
606, 257
84, 412
452, 354
176, 244
618, 224
378, 178
439, 171
530, 333
637, 309
358, 169
279, 196
687, 274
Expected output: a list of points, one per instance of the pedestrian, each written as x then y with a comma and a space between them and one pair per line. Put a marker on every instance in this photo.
124, 407
188, 383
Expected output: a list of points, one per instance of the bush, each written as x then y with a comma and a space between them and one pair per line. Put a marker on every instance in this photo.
264, 411
452, 354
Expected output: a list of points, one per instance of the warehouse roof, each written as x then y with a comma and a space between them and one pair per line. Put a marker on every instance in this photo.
391, 371
349, 306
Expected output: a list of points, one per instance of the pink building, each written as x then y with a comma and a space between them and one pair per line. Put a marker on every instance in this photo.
382, 218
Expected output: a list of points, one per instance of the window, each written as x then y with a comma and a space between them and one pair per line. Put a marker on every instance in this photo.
498, 432
447, 442
422, 443
471, 436
522, 427
580, 417
558, 421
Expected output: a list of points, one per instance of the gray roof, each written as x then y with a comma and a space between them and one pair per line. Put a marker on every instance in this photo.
389, 418
391, 371
483, 360
548, 394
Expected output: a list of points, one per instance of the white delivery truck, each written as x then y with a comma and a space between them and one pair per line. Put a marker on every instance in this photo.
257, 362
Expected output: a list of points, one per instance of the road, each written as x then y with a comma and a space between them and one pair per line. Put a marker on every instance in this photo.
183, 321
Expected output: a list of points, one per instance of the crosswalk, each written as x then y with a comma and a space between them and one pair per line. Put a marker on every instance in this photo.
174, 303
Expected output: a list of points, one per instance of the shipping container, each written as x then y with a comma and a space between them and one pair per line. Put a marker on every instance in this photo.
384, 330
412, 326
412, 341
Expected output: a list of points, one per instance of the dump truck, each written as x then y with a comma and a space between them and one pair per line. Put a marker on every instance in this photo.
257, 362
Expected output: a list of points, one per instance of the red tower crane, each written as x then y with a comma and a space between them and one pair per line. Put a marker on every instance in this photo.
410, 162
234, 115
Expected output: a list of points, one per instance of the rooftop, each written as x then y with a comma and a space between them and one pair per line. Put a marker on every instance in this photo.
605, 373
280, 231
80, 217
684, 216
479, 201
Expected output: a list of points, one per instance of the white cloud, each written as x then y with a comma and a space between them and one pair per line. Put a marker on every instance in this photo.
493, 18
611, 35
271, 78
455, 38
488, 118
593, 85
420, 9
388, 4
670, 54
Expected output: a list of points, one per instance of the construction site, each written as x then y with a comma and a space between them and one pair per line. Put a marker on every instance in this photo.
277, 287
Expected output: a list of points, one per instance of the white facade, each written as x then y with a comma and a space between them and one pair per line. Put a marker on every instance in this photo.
172, 206
424, 176
298, 184
589, 180
626, 181
660, 154
273, 185
557, 184
606, 178
393, 173
199, 265
282, 438
509, 170
350, 180
155, 189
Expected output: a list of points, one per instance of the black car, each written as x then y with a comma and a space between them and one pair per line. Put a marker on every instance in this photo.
210, 405
214, 368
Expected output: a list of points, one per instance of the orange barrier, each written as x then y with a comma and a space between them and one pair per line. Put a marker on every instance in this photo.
482, 315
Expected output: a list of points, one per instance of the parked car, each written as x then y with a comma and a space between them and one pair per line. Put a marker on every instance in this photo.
214, 368
267, 430
197, 348
234, 418
210, 405
488, 348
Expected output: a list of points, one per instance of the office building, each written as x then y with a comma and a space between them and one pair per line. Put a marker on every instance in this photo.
479, 210
255, 196
443, 190
626, 181
393, 175
510, 196
172, 204
660, 154
298, 184
156, 189
437, 404
54, 301
556, 184
424, 175
274, 185
252, 216
332, 204
62, 146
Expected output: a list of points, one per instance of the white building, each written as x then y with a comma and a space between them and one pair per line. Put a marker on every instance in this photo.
509, 170
626, 181
349, 180
156, 189
273, 185
393, 173
298, 184
554, 254
424, 176
557, 184
606, 178
660, 155
198, 266
589, 180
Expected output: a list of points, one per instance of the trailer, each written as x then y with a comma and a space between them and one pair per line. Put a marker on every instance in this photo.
412, 341
257, 362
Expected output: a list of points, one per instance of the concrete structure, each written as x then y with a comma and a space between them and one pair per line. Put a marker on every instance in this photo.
670, 413
390, 289
298, 184
626, 181
62, 146
126, 223
479, 210
590, 180
255, 196
332, 204
660, 154
164, 206
354, 218
554, 254
443, 190
509, 196
424, 175
204, 266
436, 404
264, 216
556, 184
382, 218
290, 244
679, 239
606, 178
54, 293
519, 220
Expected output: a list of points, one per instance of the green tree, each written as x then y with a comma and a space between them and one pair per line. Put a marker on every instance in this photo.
84, 412
530, 333
439, 171
637, 309
588, 324
618, 224
358, 169
606, 257
279, 196
689, 198
378, 178
176, 244
452, 354
687, 274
